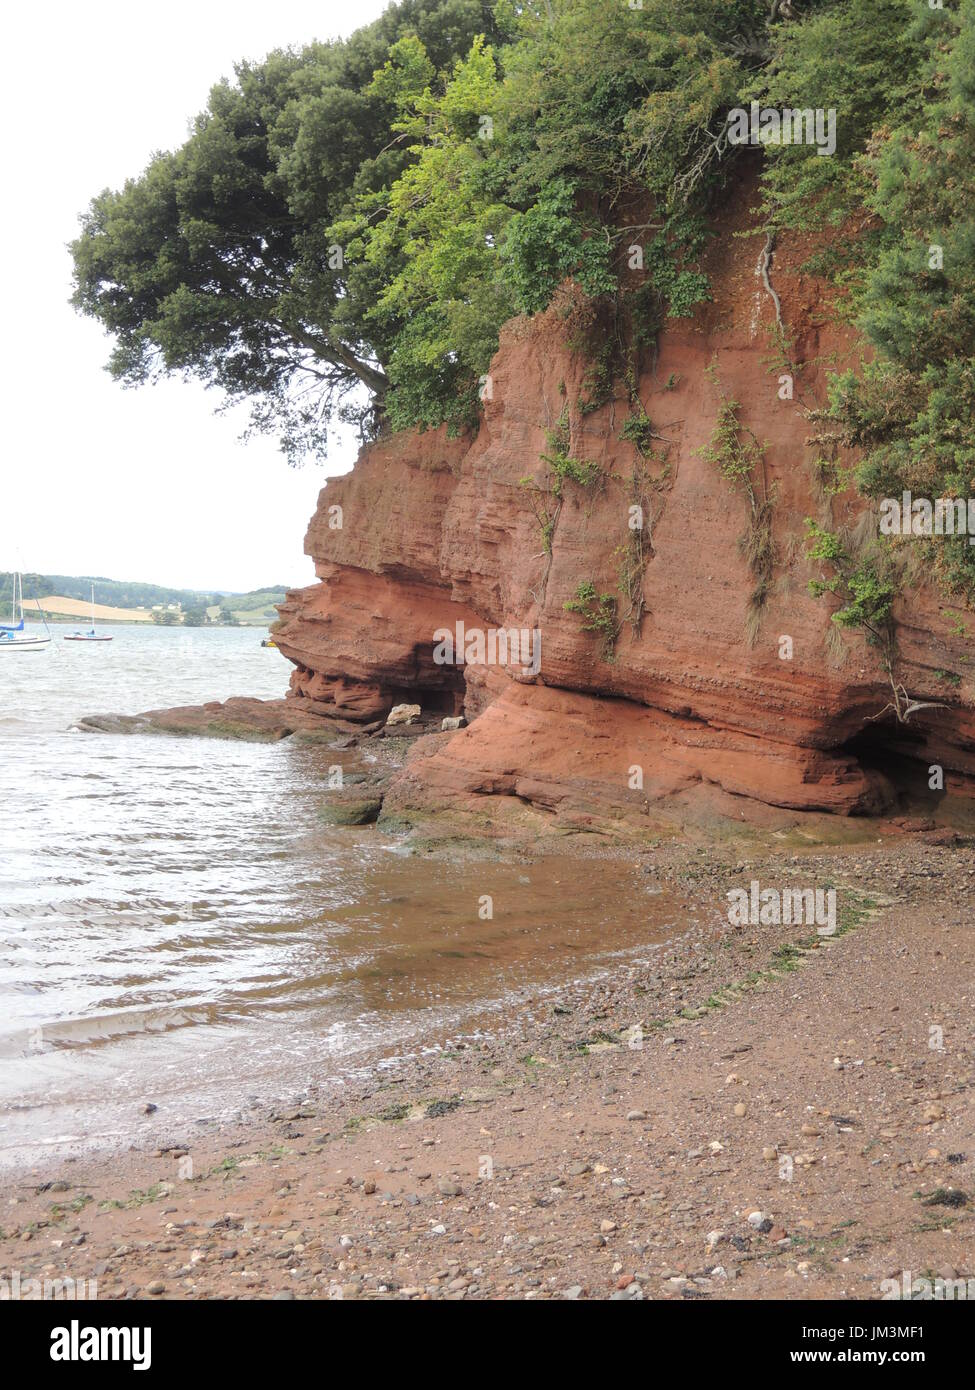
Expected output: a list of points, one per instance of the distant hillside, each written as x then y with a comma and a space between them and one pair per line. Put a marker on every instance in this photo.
134, 594
256, 606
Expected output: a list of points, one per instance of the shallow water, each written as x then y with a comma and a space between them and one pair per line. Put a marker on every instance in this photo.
176, 923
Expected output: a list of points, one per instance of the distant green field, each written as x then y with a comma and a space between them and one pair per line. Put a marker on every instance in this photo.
254, 608
257, 616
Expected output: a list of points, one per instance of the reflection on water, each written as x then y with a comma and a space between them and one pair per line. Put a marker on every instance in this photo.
175, 920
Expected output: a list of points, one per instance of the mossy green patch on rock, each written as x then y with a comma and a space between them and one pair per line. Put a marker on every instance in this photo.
228, 728
351, 811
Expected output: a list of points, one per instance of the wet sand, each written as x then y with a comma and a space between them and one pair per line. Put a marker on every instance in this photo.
754, 1113
364, 961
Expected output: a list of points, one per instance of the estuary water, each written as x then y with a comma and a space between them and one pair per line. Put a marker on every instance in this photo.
178, 925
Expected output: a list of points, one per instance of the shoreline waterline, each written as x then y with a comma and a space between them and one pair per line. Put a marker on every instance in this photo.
177, 920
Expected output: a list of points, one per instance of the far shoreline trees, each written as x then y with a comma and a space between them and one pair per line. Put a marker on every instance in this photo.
254, 608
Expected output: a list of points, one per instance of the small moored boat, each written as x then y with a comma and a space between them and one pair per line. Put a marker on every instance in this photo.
91, 635
14, 637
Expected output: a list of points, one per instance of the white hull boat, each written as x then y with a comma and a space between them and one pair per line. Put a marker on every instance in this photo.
26, 643
14, 637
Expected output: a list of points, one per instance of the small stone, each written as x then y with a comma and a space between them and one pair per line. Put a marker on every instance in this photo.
770, 1154
449, 1188
149, 1108
636, 1114
402, 714
156, 1287
607, 1226
741, 1109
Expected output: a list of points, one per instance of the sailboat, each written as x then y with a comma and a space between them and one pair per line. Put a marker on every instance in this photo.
91, 635
13, 636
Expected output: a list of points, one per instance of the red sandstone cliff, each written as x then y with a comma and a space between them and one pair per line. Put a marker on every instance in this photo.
434, 531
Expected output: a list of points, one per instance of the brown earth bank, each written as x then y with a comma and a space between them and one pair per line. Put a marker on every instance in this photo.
699, 705
696, 695
763, 1112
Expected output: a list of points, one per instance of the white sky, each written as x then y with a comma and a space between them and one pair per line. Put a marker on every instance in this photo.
147, 484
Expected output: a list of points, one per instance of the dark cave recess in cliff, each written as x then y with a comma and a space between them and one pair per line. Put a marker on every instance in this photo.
431, 701
900, 753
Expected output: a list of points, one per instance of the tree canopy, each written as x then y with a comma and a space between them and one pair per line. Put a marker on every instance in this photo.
349, 224
216, 263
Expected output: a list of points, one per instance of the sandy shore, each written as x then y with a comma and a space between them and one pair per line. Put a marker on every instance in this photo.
760, 1114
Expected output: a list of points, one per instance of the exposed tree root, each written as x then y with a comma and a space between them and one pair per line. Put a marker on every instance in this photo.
762, 269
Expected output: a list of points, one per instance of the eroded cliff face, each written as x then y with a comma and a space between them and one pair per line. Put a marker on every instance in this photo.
436, 531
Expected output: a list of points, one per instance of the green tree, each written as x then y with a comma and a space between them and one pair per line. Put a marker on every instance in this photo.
356, 219
216, 263
349, 224
911, 411
429, 242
